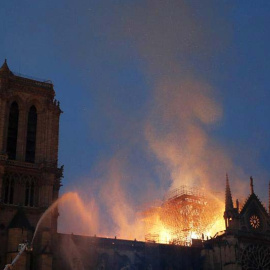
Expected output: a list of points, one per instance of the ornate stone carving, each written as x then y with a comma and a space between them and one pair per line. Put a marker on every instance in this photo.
255, 257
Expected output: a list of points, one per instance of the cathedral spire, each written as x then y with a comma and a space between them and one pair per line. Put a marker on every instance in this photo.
228, 196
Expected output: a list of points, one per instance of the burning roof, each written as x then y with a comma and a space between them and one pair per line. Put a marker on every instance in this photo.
185, 214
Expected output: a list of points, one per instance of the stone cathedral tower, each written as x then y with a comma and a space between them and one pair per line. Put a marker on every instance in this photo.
29, 175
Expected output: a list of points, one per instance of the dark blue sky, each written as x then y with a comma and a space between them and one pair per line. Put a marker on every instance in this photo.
128, 73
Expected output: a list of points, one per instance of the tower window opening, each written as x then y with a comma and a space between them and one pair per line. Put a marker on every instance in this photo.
8, 191
29, 193
31, 135
12, 130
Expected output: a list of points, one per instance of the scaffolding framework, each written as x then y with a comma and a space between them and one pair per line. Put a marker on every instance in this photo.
185, 213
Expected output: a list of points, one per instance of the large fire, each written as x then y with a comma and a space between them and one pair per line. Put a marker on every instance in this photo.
185, 214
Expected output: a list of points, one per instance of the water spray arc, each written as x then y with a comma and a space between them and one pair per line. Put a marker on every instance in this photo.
28, 247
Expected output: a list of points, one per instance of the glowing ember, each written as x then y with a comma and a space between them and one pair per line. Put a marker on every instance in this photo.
185, 214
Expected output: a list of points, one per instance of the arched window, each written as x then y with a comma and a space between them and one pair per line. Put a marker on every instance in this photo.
8, 191
29, 193
12, 130
31, 135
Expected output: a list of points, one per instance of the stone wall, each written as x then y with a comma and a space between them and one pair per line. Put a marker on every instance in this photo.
83, 252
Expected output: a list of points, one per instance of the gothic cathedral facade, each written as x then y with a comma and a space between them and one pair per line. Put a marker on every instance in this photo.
29, 175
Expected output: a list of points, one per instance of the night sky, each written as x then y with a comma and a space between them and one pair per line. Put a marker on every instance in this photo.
155, 94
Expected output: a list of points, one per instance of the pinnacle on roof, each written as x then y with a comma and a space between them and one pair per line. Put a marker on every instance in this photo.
4, 68
251, 185
269, 198
253, 196
228, 196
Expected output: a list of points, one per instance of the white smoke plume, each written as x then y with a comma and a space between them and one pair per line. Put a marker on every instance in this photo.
173, 42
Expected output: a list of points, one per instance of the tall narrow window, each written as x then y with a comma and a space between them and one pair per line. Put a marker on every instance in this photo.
12, 130
29, 193
8, 191
31, 135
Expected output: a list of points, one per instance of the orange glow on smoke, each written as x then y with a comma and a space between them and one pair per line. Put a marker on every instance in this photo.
167, 224
76, 216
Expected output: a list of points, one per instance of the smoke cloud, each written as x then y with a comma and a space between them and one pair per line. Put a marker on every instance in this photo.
173, 38
171, 144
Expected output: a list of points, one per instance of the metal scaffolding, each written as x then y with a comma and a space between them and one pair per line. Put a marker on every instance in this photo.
185, 213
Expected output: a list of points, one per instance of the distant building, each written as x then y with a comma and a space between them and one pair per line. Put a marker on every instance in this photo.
30, 180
